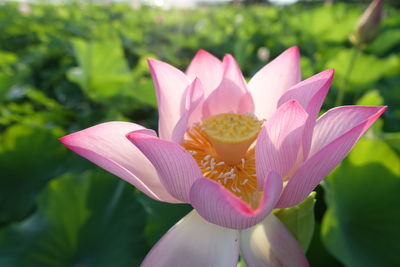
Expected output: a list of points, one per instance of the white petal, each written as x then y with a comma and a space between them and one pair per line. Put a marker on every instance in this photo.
194, 242
270, 244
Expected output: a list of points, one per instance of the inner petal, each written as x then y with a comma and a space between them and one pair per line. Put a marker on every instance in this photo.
223, 148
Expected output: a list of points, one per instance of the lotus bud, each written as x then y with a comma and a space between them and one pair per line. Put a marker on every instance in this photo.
368, 25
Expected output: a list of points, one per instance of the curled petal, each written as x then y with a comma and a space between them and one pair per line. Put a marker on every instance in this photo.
208, 69
310, 94
171, 85
278, 144
192, 114
342, 127
270, 82
195, 242
105, 145
175, 166
217, 205
270, 244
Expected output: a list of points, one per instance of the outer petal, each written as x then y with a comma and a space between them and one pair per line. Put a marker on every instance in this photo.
270, 244
171, 85
278, 144
217, 205
195, 242
339, 120
269, 83
105, 145
310, 93
208, 69
231, 95
342, 127
175, 166
193, 97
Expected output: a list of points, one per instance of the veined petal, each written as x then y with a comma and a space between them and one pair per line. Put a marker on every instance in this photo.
278, 143
342, 127
195, 242
270, 244
337, 121
310, 93
171, 85
105, 145
270, 82
175, 166
217, 205
192, 113
208, 69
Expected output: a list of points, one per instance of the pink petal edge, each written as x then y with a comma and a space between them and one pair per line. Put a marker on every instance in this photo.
105, 145
208, 69
279, 142
310, 93
322, 162
270, 82
219, 206
175, 166
170, 84
192, 113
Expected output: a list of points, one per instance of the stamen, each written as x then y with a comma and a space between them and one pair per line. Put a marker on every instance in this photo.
236, 174
231, 134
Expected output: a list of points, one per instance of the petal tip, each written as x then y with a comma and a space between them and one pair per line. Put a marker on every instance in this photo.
67, 140
64, 140
203, 52
133, 136
294, 50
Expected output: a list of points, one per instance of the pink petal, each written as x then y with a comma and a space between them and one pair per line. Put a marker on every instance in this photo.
105, 145
225, 99
232, 72
208, 69
336, 133
171, 85
337, 121
269, 83
278, 144
270, 244
310, 93
246, 104
217, 205
192, 113
175, 166
194, 242
231, 95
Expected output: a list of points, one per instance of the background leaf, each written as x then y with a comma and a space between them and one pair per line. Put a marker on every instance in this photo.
361, 226
80, 221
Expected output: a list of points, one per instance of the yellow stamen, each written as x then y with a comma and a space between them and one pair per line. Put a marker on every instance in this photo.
231, 134
220, 147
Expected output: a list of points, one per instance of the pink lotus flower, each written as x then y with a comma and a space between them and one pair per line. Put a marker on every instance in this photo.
234, 151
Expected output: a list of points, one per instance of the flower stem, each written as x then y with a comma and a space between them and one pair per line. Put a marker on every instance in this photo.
354, 53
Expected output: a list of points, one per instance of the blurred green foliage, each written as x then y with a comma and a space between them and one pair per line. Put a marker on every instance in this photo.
66, 67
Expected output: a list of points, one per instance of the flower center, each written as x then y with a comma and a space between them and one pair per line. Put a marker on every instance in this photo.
222, 147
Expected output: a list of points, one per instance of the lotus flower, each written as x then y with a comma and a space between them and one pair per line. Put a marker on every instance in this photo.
234, 151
